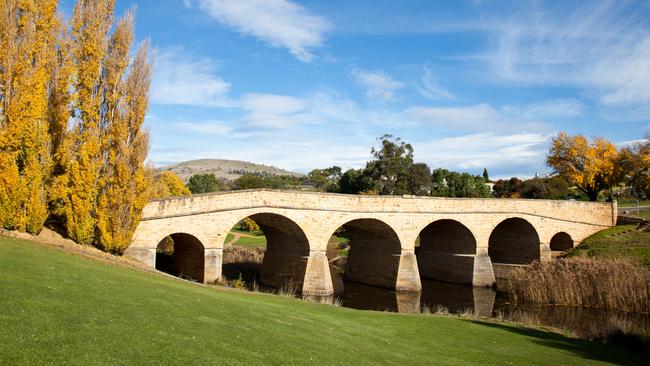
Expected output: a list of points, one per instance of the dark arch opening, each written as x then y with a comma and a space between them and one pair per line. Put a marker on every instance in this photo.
514, 241
561, 242
446, 252
275, 255
181, 255
374, 253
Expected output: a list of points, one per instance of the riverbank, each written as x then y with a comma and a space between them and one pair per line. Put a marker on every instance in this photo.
59, 307
618, 242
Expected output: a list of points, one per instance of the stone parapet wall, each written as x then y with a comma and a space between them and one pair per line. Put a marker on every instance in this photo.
576, 211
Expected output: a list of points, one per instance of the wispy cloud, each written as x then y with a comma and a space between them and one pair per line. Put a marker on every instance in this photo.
376, 84
505, 155
480, 117
550, 108
181, 79
207, 128
429, 87
274, 111
281, 23
602, 46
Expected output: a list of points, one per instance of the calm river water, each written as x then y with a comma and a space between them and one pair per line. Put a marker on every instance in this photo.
440, 296
437, 296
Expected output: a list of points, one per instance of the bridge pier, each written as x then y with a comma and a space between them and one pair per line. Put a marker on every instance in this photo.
465, 269
483, 272
212, 265
318, 281
408, 276
545, 254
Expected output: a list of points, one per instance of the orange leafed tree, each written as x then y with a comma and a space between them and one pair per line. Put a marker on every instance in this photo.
27, 33
91, 22
168, 184
90, 179
591, 167
125, 187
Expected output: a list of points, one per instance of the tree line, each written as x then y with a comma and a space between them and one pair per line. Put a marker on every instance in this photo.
392, 171
582, 170
72, 104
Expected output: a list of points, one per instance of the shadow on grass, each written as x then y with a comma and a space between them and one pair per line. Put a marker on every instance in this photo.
588, 350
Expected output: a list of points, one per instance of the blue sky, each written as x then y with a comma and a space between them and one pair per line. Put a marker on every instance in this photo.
470, 84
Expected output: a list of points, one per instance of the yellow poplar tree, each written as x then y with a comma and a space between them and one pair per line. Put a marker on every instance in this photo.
91, 22
126, 180
60, 103
27, 32
590, 167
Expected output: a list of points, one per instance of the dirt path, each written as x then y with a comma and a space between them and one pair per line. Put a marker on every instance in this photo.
236, 236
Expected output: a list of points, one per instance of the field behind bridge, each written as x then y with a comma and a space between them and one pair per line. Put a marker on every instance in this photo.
61, 308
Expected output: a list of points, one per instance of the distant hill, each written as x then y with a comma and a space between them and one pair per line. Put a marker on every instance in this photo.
227, 169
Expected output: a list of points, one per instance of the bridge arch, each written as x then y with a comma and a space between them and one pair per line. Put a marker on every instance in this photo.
287, 251
182, 255
514, 241
561, 241
447, 252
374, 252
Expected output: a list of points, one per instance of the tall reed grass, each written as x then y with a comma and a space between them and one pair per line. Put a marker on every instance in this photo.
608, 284
233, 254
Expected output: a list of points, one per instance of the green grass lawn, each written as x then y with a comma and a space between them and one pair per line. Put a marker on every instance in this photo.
257, 241
255, 233
633, 204
616, 242
60, 308
645, 214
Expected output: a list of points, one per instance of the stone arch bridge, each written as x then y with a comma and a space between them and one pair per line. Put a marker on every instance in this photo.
466, 241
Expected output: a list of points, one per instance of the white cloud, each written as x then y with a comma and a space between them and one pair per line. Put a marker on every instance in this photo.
603, 47
377, 84
282, 23
180, 79
480, 117
429, 87
549, 108
504, 155
274, 111
206, 128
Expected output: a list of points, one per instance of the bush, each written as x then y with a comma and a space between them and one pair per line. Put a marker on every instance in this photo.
249, 225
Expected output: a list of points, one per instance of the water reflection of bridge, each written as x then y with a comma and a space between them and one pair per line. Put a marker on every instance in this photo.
461, 240
435, 296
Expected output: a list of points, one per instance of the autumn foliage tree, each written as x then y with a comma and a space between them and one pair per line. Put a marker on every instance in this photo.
125, 179
90, 178
591, 167
27, 31
168, 184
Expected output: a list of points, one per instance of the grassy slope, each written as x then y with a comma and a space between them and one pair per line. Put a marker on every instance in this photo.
616, 242
61, 308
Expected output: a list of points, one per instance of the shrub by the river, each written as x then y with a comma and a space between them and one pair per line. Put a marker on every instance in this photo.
609, 284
